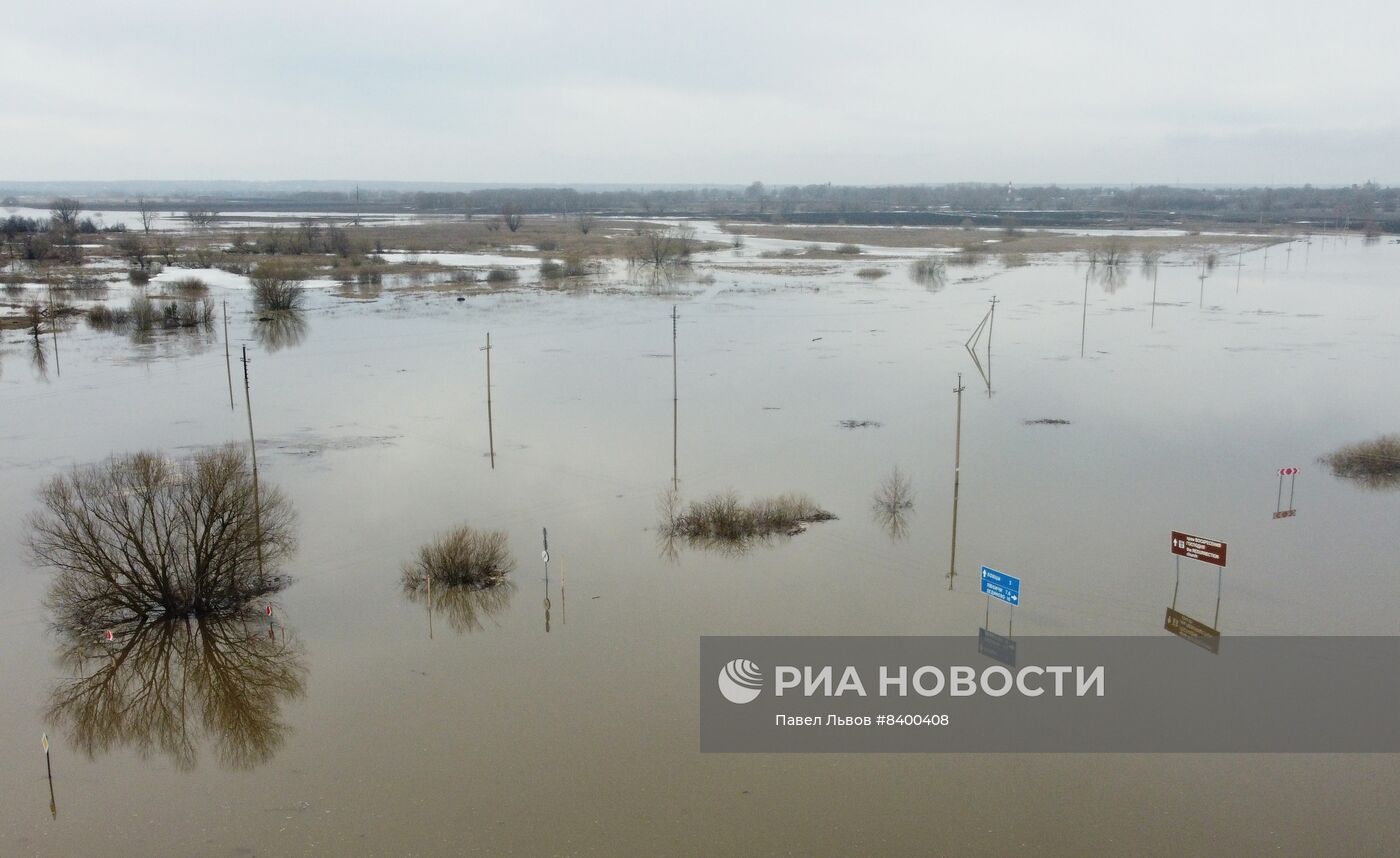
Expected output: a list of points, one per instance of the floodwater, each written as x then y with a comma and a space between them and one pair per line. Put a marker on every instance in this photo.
561, 716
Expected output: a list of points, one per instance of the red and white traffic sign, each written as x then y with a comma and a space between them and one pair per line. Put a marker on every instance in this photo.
1198, 548
1287, 472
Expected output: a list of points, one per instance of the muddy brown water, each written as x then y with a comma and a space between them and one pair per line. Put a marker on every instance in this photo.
561, 717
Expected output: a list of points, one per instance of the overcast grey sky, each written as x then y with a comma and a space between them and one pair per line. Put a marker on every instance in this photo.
725, 92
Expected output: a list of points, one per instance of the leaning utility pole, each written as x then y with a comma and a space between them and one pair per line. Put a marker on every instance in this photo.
490, 420
228, 364
253, 447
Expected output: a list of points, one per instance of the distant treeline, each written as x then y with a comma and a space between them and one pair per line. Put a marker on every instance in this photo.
1356, 205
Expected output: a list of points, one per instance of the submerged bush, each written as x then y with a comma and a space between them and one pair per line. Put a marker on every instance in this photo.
277, 286
190, 286
930, 272
1375, 464
501, 275
848, 249
143, 313
462, 557
723, 518
871, 273
142, 536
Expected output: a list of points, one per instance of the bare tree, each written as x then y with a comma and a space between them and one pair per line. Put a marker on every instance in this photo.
166, 247
141, 536
201, 217
512, 215
664, 247
148, 214
134, 248
585, 223
277, 286
65, 211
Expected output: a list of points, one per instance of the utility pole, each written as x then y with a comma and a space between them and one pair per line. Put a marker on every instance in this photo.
957, 481
991, 323
1084, 322
1155, 271
253, 448
490, 420
228, 363
675, 409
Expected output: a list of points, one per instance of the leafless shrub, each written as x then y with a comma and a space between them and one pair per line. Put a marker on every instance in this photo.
551, 270
662, 248
461, 557
190, 287
277, 286
969, 254
1113, 252
138, 277
848, 249
201, 217
585, 223
576, 264
135, 249
1374, 464
546, 245
34, 316
499, 274
512, 215
871, 273
142, 536
723, 519
930, 272
143, 313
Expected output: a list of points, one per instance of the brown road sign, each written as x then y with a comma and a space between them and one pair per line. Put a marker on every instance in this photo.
1198, 548
1194, 631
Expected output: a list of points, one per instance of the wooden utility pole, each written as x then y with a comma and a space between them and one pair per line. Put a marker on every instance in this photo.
1155, 269
1084, 322
675, 409
228, 363
253, 448
957, 482
991, 323
490, 419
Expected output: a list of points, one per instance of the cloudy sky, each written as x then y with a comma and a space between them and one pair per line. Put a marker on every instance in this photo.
723, 92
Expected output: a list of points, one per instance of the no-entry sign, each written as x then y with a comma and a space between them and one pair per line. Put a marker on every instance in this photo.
1198, 548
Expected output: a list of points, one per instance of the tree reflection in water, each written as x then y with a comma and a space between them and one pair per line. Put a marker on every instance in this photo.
465, 607
165, 686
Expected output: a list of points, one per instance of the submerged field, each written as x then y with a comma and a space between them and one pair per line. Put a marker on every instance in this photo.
557, 712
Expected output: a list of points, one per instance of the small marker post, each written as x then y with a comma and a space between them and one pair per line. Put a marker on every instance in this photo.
48, 766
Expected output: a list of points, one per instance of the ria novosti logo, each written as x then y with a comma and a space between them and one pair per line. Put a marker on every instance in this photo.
740, 681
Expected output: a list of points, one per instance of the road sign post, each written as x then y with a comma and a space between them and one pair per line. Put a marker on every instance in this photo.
1004, 587
1279, 510
1198, 548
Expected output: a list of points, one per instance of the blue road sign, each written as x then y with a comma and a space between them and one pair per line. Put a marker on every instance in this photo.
1004, 587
